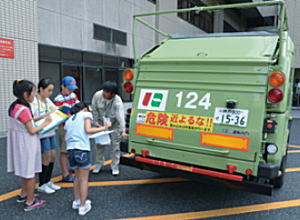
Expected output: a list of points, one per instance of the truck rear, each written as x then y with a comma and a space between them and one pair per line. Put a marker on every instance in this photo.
214, 105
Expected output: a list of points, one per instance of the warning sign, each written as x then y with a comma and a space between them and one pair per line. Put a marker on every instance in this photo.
179, 121
7, 48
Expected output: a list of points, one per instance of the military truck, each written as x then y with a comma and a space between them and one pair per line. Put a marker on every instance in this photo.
214, 107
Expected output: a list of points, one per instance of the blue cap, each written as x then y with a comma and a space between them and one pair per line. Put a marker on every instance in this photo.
69, 82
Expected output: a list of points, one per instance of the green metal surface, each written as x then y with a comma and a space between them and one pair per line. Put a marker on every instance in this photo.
229, 68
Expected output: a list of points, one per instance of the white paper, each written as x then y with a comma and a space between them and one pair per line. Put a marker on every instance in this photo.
102, 137
57, 118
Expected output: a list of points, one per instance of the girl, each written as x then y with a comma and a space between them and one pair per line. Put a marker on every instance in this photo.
78, 127
23, 145
41, 108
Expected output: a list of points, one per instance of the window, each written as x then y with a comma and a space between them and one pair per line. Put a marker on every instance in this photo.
102, 33
153, 1
260, 22
119, 37
49, 53
203, 20
228, 27
92, 59
72, 56
110, 35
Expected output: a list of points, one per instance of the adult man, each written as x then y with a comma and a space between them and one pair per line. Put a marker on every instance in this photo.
106, 103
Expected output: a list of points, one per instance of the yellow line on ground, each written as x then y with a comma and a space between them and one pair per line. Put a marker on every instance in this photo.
14, 193
224, 212
296, 169
128, 182
294, 146
293, 151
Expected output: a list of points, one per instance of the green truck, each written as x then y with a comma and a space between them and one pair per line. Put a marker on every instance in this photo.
214, 107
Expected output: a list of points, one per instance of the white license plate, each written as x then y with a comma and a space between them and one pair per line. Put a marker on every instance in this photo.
236, 117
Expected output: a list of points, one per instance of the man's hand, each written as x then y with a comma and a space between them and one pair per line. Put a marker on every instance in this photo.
124, 136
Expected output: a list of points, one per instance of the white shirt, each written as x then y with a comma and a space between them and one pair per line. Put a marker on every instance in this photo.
39, 107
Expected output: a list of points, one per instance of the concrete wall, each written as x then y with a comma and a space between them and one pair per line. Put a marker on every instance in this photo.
293, 8
69, 23
18, 22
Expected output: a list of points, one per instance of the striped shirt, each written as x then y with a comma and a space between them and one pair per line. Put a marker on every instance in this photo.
61, 99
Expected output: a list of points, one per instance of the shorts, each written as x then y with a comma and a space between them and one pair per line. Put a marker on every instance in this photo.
61, 139
48, 144
79, 159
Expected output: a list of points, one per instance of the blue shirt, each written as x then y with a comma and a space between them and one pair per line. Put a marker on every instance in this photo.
76, 137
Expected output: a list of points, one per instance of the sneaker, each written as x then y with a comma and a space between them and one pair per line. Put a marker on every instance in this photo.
76, 203
45, 189
53, 186
68, 179
21, 199
82, 210
97, 168
115, 172
35, 204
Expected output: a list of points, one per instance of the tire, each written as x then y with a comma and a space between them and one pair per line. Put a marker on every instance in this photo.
278, 181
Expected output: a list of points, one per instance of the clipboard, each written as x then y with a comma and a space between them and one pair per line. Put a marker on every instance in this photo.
57, 116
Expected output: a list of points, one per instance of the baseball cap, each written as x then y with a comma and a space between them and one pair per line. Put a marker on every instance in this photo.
69, 82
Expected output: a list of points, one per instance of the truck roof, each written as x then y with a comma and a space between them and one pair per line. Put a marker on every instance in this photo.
247, 47
237, 34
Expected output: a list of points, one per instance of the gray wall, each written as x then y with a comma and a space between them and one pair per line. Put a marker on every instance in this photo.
18, 22
293, 8
69, 23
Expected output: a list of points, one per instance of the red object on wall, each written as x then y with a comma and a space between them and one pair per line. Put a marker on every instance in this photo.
7, 48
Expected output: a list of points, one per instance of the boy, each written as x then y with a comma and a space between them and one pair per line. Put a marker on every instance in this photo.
66, 97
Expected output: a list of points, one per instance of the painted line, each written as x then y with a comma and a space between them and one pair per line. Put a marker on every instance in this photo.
295, 169
294, 146
293, 151
14, 193
128, 182
224, 212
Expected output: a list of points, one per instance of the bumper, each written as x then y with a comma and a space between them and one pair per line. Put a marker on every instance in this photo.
197, 174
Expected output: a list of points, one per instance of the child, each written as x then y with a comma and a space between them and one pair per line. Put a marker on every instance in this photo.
23, 144
69, 98
78, 127
41, 108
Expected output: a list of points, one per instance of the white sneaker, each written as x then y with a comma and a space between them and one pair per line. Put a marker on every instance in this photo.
45, 189
53, 186
115, 172
76, 203
97, 168
82, 210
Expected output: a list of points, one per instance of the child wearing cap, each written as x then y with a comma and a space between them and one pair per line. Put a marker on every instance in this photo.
66, 97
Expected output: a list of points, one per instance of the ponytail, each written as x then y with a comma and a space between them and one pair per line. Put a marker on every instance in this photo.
20, 87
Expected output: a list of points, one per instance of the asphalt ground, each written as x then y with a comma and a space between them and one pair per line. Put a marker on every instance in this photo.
147, 195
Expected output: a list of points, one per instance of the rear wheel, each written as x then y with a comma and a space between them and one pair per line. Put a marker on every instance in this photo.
278, 181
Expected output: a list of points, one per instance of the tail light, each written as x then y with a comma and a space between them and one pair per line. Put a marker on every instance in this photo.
249, 172
128, 76
277, 79
128, 87
275, 95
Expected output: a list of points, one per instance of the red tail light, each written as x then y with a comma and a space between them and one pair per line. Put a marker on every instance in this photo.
275, 95
249, 172
128, 87
231, 168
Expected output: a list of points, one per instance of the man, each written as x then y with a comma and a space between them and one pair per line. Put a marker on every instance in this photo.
106, 103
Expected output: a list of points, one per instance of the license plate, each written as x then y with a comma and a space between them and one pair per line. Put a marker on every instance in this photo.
236, 117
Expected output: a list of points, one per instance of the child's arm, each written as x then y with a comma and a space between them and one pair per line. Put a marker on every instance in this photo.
33, 130
41, 116
90, 130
